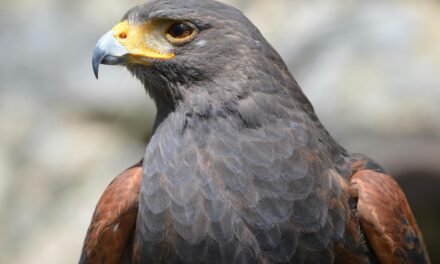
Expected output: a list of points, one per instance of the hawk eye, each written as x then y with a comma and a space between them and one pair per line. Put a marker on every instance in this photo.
180, 33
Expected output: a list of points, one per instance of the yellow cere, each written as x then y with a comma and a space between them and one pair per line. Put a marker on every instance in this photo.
141, 40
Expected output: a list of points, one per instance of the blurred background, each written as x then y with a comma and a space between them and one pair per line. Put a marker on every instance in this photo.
371, 69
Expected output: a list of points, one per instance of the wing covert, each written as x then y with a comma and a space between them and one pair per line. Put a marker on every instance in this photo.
114, 219
386, 219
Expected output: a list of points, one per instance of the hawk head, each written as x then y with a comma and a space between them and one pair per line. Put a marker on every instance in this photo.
177, 48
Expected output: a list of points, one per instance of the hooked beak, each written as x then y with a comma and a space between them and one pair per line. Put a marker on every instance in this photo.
131, 44
108, 51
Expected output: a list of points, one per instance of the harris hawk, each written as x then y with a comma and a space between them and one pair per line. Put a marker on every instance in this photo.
239, 168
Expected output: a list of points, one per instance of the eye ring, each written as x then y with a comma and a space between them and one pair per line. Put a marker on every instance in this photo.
180, 33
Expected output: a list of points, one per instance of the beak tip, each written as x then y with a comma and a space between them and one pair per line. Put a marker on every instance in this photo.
95, 71
97, 58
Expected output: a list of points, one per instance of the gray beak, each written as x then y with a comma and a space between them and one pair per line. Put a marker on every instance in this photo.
108, 51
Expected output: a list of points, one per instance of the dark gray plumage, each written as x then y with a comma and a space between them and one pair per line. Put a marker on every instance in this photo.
239, 168
228, 165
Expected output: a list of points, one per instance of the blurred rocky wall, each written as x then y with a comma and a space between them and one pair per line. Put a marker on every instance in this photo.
371, 69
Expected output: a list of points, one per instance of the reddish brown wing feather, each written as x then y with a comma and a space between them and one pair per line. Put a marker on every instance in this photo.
386, 219
114, 219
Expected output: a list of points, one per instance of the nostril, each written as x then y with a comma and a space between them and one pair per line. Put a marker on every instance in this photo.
122, 35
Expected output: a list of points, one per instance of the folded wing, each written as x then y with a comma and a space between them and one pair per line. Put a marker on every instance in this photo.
386, 219
114, 219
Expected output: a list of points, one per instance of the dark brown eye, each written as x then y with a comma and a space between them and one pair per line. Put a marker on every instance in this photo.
180, 30
180, 33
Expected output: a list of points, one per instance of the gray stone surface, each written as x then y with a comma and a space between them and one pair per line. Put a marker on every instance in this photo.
371, 68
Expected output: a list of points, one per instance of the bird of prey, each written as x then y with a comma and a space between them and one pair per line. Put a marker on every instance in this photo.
239, 168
